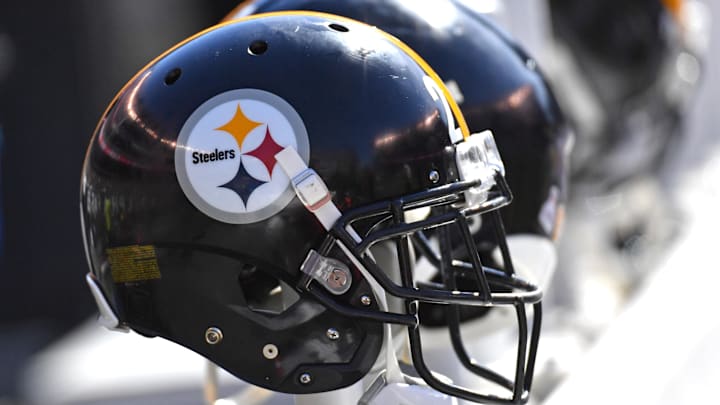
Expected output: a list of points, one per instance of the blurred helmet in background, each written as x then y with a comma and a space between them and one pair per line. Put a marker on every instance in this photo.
626, 71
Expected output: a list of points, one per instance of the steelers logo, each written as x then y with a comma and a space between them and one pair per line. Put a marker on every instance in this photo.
225, 155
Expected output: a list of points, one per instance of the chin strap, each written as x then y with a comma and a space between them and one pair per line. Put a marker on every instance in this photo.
309, 187
315, 196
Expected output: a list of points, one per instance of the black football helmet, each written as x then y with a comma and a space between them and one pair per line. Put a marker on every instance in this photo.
498, 86
233, 189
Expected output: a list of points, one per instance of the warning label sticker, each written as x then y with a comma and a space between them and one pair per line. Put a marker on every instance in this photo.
133, 263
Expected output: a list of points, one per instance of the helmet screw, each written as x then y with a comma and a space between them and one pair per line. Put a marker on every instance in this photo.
213, 335
333, 334
305, 378
270, 351
434, 176
365, 300
338, 279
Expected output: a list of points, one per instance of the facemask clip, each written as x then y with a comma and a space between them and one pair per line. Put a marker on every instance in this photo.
333, 274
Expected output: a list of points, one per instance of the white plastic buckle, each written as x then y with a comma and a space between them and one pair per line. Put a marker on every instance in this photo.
311, 189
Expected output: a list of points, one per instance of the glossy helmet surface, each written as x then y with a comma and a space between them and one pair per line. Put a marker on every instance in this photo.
498, 87
233, 190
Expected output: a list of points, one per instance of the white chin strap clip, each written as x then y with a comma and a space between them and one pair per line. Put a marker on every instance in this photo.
309, 187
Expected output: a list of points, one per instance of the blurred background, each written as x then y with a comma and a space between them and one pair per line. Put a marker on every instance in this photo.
61, 64
629, 316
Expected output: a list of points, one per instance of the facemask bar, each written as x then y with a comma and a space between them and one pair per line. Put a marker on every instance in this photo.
525, 358
450, 270
455, 212
444, 195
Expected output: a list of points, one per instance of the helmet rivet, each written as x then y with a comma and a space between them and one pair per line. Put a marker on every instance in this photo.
270, 351
305, 378
365, 300
434, 176
213, 335
333, 334
338, 279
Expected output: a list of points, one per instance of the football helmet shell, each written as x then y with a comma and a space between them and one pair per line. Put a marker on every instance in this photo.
190, 221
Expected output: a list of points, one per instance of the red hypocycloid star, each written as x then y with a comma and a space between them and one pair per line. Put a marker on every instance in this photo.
266, 151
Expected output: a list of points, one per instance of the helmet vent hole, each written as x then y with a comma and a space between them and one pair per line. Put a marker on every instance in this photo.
172, 76
339, 28
258, 47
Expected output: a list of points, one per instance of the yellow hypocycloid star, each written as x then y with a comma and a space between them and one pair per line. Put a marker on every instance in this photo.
239, 126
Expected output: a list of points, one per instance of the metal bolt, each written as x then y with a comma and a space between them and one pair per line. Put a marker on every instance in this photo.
338, 279
434, 176
366, 300
305, 378
270, 351
333, 334
213, 335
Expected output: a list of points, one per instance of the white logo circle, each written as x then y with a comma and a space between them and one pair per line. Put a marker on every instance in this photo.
225, 155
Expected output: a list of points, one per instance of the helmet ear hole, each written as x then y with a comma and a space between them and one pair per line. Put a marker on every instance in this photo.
264, 293
173, 76
258, 47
